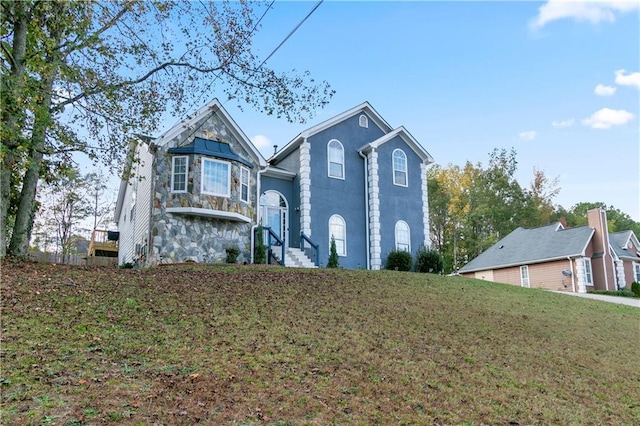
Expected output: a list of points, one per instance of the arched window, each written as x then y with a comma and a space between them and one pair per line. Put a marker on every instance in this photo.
399, 168
403, 236
363, 121
338, 230
335, 158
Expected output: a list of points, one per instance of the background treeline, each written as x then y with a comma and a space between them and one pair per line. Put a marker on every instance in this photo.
474, 206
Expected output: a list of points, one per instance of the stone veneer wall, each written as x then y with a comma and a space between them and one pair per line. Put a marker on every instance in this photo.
184, 237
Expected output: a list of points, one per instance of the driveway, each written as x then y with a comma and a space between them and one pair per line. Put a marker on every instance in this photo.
629, 301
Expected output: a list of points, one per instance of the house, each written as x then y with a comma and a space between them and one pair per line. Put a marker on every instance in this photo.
203, 187
557, 258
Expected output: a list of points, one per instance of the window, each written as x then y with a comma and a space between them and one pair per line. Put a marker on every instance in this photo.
335, 157
215, 177
636, 269
403, 236
399, 168
363, 121
244, 184
524, 276
338, 230
587, 271
179, 174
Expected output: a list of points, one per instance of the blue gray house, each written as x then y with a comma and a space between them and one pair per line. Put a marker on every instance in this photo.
203, 187
356, 179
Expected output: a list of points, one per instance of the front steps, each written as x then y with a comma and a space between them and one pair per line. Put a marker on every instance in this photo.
296, 258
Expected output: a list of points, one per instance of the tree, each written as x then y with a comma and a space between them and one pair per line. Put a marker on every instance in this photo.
86, 76
472, 207
260, 253
64, 203
333, 255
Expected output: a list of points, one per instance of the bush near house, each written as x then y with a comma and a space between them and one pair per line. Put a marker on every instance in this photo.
399, 260
635, 288
429, 261
623, 292
260, 253
232, 254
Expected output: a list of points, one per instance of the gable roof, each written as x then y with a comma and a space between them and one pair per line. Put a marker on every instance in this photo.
619, 241
536, 245
407, 138
364, 107
213, 107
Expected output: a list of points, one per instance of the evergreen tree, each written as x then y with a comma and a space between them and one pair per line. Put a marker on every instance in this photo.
333, 256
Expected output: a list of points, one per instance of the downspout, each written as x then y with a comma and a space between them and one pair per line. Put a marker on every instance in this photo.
366, 207
573, 283
152, 194
254, 226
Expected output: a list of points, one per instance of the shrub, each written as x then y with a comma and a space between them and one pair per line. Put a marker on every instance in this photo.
623, 292
260, 252
333, 255
635, 288
429, 261
126, 265
232, 253
399, 260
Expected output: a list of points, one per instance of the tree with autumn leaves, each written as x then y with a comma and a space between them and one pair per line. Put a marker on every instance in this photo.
86, 76
473, 207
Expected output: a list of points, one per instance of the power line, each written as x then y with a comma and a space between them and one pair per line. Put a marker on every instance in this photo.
291, 33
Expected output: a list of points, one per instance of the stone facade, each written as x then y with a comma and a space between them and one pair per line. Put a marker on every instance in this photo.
180, 237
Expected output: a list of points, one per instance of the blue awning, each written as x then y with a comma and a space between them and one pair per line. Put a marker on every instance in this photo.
210, 148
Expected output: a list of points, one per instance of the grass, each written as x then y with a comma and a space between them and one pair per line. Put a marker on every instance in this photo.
270, 346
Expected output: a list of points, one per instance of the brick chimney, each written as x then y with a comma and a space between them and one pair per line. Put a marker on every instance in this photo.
601, 261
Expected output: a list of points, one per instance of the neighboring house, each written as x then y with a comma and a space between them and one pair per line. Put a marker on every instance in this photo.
203, 186
552, 257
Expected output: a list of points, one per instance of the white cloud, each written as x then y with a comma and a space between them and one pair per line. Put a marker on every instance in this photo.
262, 143
528, 135
594, 11
606, 117
632, 79
602, 90
562, 124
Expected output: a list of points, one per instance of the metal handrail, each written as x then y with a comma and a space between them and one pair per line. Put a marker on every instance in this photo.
271, 234
304, 237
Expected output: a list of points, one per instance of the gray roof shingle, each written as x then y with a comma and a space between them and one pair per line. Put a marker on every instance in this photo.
618, 242
525, 246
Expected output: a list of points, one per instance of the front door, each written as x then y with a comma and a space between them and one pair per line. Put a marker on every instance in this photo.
274, 213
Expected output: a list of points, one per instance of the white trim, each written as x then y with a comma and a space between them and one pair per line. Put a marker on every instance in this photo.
278, 173
373, 181
344, 231
636, 278
305, 187
301, 137
407, 138
401, 222
406, 168
425, 205
202, 191
363, 121
219, 214
211, 108
525, 281
248, 184
329, 159
588, 272
186, 173
286, 210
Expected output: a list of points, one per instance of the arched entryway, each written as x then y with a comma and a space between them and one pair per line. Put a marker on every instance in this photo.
274, 210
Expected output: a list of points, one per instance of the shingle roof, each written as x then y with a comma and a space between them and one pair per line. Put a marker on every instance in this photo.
618, 242
535, 245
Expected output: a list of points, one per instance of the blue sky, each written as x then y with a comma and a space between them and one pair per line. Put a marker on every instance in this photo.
467, 77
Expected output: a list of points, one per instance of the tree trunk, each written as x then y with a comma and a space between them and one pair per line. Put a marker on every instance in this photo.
19, 246
11, 112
